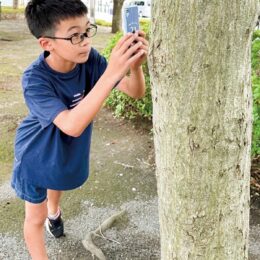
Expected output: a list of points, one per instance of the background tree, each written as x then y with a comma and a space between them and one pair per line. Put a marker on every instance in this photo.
117, 18
92, 11
15, 4
202, 116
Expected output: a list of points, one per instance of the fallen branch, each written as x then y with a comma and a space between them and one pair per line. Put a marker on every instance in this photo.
88, 242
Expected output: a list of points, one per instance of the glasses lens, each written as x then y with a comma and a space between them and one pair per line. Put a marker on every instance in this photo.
77, 38
91, 31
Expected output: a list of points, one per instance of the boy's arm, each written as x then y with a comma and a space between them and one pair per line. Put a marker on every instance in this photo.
134, 85
74, 121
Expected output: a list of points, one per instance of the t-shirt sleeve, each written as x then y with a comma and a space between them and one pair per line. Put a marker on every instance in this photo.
42, 100
101, 65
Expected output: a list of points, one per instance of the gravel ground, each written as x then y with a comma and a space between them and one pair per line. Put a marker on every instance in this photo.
138, 238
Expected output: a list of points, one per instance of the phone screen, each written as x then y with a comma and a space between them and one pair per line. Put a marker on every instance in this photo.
130, 19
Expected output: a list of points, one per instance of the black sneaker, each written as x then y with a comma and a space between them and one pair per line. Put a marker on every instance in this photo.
55, 227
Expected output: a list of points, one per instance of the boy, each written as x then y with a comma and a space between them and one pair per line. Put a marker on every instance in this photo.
64, 89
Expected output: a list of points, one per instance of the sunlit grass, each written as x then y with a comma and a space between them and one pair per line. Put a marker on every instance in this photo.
11, 10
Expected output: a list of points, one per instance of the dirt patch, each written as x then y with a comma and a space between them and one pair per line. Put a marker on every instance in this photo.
255, 181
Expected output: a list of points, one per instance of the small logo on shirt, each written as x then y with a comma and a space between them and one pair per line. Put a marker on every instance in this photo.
76, 99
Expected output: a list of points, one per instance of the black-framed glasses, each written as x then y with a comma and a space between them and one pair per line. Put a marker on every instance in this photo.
77, 38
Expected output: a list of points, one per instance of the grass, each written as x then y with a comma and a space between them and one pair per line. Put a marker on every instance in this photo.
103, 23
11, 10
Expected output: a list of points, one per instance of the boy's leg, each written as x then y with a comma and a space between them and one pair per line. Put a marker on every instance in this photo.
54, 197
35, 215
54, 222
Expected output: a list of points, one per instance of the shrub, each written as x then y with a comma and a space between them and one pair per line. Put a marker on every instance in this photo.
123, 105
256, 35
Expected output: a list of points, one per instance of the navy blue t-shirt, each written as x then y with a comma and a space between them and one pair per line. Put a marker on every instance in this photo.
44, 155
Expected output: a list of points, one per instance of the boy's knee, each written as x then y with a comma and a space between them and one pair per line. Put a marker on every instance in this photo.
36, 220
35, 214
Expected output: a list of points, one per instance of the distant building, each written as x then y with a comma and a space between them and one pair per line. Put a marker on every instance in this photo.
103, 8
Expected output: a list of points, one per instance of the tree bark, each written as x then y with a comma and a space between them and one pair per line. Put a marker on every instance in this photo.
202, 114
117, 15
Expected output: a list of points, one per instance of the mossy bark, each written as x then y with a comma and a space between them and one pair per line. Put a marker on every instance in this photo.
202, 114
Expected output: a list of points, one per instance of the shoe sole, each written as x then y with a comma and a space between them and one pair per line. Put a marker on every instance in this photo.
49, 231
48, 228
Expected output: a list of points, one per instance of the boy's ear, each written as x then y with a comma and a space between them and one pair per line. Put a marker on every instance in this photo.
45, 43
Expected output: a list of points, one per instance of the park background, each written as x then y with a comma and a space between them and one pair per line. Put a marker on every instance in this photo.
134, 115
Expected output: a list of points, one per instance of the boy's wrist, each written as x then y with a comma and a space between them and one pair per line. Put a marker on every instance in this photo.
137, 69
109, 80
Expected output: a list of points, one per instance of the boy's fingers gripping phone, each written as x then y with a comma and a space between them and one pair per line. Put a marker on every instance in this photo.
130, 19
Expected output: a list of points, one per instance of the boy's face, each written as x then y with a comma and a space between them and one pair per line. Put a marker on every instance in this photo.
64, 50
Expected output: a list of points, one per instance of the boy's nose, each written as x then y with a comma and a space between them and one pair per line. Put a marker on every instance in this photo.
85, 41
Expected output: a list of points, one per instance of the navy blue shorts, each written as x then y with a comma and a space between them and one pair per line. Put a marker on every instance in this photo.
29, 192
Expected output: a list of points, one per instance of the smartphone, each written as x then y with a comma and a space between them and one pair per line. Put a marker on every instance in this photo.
130, 19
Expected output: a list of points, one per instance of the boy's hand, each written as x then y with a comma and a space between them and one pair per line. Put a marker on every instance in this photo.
126, 54
143, 49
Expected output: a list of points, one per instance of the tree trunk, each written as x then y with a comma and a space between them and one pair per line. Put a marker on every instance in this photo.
15, 4
92, 11
201, 82
117, 17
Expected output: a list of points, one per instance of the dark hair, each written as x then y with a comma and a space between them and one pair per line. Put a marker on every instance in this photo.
42, 16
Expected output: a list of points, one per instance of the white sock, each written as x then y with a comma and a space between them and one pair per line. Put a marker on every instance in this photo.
54, 216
